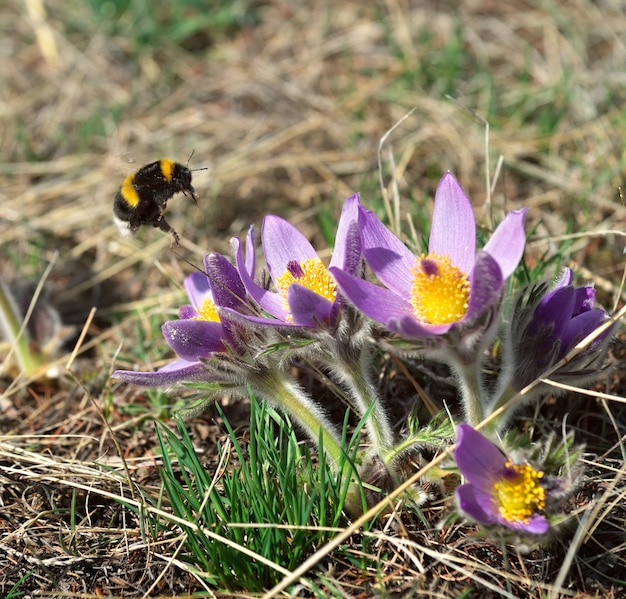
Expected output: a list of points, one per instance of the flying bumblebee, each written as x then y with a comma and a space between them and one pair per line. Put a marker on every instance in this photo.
143, 197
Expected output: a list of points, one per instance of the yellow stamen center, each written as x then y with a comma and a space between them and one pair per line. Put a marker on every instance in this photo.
518, 494
311, 274
208, 311
440, 291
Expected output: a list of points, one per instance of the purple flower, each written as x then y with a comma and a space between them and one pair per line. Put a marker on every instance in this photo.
549, 327
201, 330
306, 294
498, 491
452, 285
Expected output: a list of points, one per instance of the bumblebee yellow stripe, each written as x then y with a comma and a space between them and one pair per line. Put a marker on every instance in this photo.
129, 193
167, 168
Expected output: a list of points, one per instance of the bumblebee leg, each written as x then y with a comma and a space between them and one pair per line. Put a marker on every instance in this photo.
165, 226
175, 239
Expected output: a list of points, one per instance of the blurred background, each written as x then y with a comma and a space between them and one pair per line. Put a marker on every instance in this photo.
286, 104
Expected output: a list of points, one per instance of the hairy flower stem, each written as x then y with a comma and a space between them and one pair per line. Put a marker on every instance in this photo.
354, 374
472, 390
281, 391
502, 399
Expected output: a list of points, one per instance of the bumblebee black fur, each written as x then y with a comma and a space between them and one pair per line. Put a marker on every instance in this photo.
143, 196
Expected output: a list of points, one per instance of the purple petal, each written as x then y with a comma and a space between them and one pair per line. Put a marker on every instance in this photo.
187, 311
384, 306
478, 459
308, 308
453, 228
581, 326
536, 524
480, 507
177, 364
228, 290
249, 263
585, 299
387, 256
197, 288
179, 371
269, 301
408, 326
476, 504
378, 303
353, 253
193, 339
250, 251
283, 243
485, 285
507, 243
564, 279
347, 250
555, 309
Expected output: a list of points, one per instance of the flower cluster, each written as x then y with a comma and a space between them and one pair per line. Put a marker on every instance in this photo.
242, 333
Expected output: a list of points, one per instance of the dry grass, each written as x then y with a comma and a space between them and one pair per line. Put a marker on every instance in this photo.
287, 115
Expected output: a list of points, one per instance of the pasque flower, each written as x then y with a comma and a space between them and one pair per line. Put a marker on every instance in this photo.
549, 327
199, 332
452, 285
497, 490
306, 294
449, 298
215, 345
313, 314
544, 328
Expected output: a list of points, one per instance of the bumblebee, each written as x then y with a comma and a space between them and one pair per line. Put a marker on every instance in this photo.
143, 197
